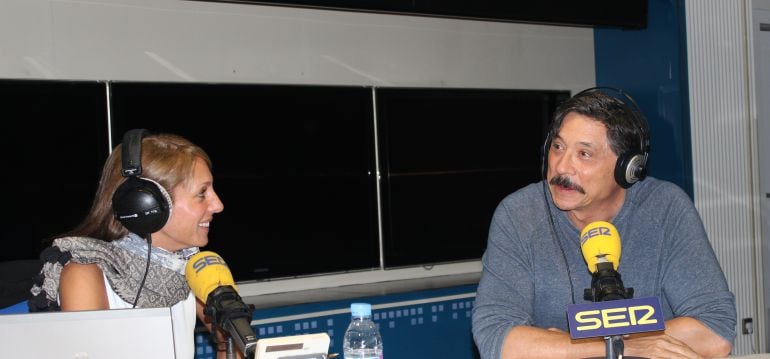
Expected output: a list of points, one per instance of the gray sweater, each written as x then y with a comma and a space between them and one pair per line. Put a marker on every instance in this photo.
665, 254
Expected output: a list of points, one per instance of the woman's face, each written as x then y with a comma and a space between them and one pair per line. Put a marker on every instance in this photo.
195, 203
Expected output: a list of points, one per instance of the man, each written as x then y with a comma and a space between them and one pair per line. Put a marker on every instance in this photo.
533, 267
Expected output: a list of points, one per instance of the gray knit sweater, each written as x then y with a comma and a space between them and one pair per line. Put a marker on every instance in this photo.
665, 254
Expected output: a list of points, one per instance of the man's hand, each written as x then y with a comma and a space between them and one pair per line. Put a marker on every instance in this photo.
657, 346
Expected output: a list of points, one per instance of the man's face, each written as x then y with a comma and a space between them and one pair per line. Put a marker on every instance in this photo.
581, 168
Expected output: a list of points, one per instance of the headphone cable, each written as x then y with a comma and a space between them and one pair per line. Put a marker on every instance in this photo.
556, 239
146, 269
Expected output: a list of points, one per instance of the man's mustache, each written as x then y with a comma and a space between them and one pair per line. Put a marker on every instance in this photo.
564, 181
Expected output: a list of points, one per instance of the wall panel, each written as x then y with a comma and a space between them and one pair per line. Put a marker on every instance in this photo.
721, 143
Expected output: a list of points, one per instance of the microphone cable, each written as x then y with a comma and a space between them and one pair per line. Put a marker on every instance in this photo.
146, 268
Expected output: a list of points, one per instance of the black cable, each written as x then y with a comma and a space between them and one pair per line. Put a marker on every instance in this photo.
556, 238
146, 269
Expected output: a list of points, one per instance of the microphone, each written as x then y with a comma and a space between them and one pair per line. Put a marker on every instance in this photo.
612, 312
212, 283
600, 244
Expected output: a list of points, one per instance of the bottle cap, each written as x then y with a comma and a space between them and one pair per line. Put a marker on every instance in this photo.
360, 309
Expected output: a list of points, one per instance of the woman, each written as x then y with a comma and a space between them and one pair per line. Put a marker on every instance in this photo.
102, 265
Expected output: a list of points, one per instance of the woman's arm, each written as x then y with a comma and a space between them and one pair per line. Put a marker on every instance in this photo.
81, 287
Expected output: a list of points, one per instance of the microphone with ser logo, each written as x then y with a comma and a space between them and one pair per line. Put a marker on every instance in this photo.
212, 283
612, 312
601, 248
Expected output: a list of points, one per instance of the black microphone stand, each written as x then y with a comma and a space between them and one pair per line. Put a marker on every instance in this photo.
230, 353
607, 285
229, 313
613, 346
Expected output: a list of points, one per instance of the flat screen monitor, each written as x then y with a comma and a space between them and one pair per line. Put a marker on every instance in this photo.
115, 334
54, 139
294, 166
449, 156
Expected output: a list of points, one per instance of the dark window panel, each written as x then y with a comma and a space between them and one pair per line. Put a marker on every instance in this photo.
626, 14
55, 143
449, 157
294, 166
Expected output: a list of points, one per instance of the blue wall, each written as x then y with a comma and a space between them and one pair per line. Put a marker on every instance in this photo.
651, 65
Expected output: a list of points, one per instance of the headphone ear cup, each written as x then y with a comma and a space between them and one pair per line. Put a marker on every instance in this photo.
630, 168
142, 205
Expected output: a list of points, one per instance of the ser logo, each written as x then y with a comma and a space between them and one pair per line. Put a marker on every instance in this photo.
615, 317
206, 261
593, 232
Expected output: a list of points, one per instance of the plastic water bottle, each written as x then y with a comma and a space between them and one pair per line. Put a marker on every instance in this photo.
362, 338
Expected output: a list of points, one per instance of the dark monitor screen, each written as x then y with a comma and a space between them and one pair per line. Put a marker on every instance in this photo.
293, 165
55, 142
449, 156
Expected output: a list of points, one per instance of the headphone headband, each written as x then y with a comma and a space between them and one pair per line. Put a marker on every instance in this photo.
132, 152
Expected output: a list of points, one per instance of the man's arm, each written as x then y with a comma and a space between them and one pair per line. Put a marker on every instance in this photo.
699, 337
532, 342
694, 284
505, 292
683, 338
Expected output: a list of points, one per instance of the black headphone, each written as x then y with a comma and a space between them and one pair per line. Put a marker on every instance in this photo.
142, 205
631, 166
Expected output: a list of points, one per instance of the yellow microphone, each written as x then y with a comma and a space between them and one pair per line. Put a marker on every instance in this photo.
600, 242
212, 283
206, 271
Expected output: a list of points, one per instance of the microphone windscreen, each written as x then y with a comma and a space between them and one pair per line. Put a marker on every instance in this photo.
206, 271
600, 240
